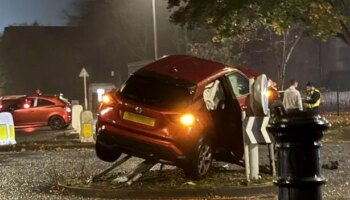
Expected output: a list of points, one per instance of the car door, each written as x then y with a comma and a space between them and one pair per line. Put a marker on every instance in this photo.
43, 109
22, 112
236, 89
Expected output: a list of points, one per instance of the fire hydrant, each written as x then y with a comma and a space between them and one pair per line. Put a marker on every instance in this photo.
297, 136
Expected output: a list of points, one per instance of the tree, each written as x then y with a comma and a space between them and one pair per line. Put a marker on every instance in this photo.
230, 19
321, 18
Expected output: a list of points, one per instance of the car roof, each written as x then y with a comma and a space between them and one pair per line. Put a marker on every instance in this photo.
192, 69
12, 97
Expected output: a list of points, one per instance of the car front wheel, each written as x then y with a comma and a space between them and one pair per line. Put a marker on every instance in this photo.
56, 123
199, 166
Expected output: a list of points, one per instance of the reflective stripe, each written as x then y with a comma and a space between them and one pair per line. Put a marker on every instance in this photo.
309, 96
12, 132
3, 132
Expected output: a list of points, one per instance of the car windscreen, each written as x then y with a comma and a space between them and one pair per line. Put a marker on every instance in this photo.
160, 92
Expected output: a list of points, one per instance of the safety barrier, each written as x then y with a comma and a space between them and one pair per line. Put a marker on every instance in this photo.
7, 129
87, 126
255, 133
76, 112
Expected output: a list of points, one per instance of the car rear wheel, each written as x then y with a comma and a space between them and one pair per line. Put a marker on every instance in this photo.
56, 123
106, 154
200, 164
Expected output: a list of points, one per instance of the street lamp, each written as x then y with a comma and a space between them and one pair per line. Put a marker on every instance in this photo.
155, 44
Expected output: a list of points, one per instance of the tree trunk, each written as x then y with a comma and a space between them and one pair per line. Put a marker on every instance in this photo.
345, 33
285, 62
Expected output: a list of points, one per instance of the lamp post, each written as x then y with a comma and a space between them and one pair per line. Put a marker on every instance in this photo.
155, 42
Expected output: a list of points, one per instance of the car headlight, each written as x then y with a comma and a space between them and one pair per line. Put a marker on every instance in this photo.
187, 119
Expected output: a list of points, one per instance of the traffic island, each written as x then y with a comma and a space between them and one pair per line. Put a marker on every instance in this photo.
171, 183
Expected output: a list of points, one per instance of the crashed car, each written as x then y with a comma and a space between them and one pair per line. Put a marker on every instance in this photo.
179, 110
38, 110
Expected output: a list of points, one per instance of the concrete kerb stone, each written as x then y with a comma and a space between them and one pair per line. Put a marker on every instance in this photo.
46, 145
266, 190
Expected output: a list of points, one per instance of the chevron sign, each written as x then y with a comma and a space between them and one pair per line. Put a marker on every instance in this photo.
255, 128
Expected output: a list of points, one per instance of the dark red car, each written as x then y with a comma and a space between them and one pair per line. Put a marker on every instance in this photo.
53, 111
179, 110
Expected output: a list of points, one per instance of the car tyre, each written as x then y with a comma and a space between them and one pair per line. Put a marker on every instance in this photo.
56, 122
106, 154
199, 166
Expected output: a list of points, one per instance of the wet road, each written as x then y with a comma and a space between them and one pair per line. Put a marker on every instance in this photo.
30, 175
35, 134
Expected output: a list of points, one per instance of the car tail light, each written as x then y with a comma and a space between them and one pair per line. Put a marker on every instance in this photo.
0, 106
26, 105
68, 109
107, 99
187, 119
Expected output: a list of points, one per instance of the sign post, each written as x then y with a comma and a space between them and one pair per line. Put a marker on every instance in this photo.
84, 74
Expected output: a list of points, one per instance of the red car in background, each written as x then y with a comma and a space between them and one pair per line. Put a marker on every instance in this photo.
27, 111
179, 110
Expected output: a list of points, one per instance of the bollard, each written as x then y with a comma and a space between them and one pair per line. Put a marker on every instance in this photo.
7, 129
87, 127
297, 137
76, 115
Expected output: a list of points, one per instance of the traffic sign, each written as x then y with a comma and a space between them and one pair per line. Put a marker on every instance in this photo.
255, 128
83, 73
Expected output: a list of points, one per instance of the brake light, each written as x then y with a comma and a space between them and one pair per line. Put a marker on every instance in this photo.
0, 106
68, 109
187, 119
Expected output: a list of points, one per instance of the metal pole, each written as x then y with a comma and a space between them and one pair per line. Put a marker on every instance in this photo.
254, 161
338, 101
155, 30
85, 95
246, 150
272, 159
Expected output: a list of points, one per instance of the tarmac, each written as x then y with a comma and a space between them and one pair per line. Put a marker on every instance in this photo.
69, 140
257, 191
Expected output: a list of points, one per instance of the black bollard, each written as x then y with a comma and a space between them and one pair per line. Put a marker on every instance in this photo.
297, 136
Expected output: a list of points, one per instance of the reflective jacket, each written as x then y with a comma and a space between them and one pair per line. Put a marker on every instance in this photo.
313, 99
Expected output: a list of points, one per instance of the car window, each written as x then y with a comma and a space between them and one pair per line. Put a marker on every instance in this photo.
239, 83
155, 92
43, 102
33, 102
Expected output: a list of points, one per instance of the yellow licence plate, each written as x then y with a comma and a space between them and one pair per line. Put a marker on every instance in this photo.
139, 119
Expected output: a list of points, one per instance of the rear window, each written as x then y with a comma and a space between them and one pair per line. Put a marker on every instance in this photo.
164, 93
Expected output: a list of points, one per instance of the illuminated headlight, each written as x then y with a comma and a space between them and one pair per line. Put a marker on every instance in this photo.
187, 119
268, 93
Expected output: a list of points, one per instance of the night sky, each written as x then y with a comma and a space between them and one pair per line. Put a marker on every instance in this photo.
46, 12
